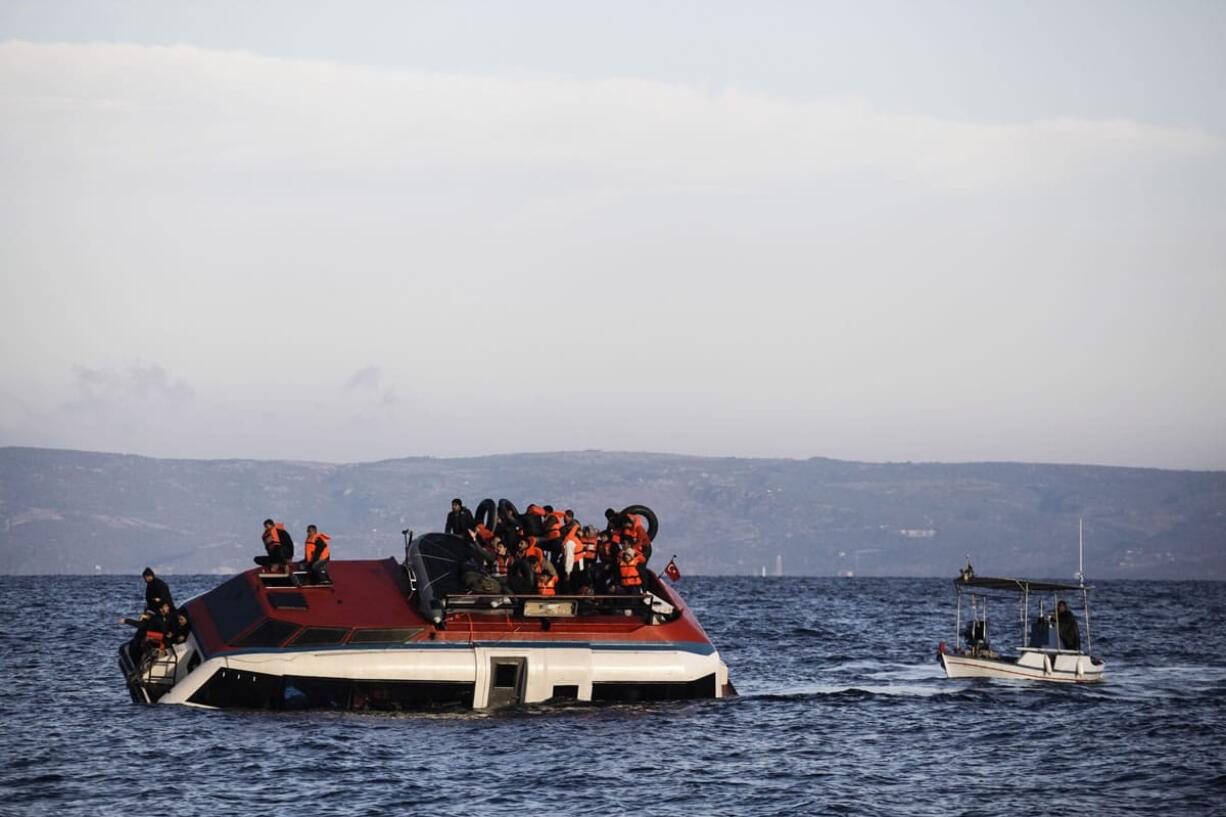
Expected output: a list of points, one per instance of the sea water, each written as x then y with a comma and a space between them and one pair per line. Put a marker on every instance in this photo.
843, 709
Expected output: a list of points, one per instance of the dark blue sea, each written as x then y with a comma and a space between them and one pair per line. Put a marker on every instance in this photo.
842, 710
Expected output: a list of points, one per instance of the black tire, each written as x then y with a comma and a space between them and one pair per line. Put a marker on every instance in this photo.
653, 524
507, 508
485, 513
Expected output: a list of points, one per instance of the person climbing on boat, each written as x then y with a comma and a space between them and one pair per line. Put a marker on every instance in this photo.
156, 591
317, 555
278, 547
1066, 624
460, 520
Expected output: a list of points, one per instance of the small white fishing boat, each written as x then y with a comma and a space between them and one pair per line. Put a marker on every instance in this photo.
1050, 646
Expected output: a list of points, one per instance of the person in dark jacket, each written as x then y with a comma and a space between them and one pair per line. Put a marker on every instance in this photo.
152, 630
156, 591
1066, 622
180, 627
460, 520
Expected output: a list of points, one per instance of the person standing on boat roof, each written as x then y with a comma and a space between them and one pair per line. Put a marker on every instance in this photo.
460, 520
156, 591
1066, 622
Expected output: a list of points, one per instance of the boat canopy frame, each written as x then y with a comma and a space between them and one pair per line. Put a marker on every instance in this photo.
980, 589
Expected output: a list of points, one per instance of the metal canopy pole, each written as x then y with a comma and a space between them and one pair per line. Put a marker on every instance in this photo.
958, 623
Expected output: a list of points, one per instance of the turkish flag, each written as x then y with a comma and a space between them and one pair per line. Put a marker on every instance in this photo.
671, 570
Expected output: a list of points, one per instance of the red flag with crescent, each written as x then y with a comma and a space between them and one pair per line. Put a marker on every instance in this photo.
671, 570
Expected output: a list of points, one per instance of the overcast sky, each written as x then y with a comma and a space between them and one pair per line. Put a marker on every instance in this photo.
364, 230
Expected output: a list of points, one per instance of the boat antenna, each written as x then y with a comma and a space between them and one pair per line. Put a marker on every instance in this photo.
1081, 576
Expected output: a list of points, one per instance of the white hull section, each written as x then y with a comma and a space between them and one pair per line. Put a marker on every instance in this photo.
1032, 665
540, 669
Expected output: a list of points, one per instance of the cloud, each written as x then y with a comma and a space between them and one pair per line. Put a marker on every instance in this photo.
367, 378
143, 109
144, 383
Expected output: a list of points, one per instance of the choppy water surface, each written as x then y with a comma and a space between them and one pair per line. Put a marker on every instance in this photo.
843, 710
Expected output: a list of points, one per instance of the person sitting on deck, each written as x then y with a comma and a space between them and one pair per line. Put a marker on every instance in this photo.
156, 591
318, 555
474, 572
152, 631
630, 579
547, 579
180, 627
279, 547
1066, 625
502, 558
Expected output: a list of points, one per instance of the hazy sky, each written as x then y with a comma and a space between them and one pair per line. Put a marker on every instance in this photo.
363, 230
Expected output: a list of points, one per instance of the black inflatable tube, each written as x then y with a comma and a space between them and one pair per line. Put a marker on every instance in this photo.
485, 513
507, 508
653, 524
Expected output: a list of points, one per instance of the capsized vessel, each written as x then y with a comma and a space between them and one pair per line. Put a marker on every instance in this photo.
392, 635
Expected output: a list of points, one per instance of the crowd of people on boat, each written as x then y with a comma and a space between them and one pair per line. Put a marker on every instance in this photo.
543, 551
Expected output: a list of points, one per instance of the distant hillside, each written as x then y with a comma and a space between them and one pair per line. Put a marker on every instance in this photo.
79, 512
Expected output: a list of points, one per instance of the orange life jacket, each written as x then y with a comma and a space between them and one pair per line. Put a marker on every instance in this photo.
634, 534
545, 584
588, 543
533, 550
629, 570
484, 534
580, 551
272, 536
553, 528
320, 540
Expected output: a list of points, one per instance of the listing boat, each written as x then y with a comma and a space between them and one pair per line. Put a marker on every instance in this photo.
390, 635
1050, 645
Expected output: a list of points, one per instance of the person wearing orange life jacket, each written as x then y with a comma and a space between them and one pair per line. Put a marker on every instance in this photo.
630, 580
278, 545
528, 550
533, 520
634, 535
584, 558
547, 580
318, 554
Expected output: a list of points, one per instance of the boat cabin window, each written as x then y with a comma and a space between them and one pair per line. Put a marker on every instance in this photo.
233, 607
386, 635
287, 600
269, 634
312, 636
